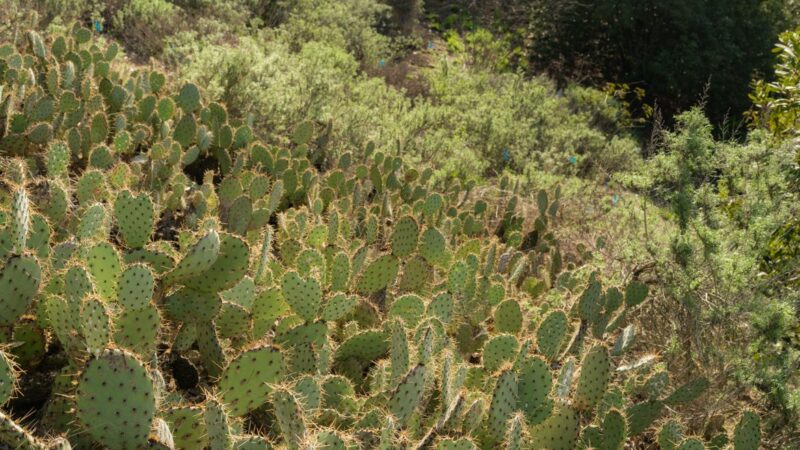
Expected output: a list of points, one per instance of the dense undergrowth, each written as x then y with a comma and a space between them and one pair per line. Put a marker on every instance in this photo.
382, 123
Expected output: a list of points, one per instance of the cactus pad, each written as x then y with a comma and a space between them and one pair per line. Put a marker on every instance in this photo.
641, 415
338, 307
499, 350
228, 268
410, 308
594, 377
747, 434
303, 296
406, 397
244, 384
635, 293
137, 330
289, 417
559, 431
103, 263
115, 400
551, 334
135, 287
670, 435
199, 259
534, 384
508, 317
504, 403
379, 274
134, 216
19, 282
95, 323
404, 237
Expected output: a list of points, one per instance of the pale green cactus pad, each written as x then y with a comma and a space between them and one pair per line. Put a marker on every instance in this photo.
115, 400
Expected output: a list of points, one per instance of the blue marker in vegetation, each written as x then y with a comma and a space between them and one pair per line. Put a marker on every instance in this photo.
506, 155
573, 160
381, 63
98, 26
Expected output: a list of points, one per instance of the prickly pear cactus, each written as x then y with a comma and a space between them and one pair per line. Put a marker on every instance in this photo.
193, 287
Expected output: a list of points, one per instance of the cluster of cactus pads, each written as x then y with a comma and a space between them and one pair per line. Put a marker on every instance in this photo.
169, 281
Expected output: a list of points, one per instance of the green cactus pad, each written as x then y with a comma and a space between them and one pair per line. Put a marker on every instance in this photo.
408, 394
499, 350
115, 400
159, 262
378, 275
459, 444
551, 334
95, 323
30, 343
338, 394
20, 220
243, 294
303, 296
268, 306
198, 259
635, 293
690, 391
244, 384
190, 305
39, 238
594, 377
19, 281
442, 307
670, 435
340, 272
433, 247
134, 216
410, 308
228, 268
289, 417
365, 347
218, 425
251, 443
504, 403
534, 385
747, 434
329, 440
93, 224
137, 330
557, 432
516, 431
508, 317
103, 263
338, 307
233, 322
309, 393
211, 353
399, 351
404, 237
188, 99
416, 274
185, 130
641, 415
692, 443
614, 431
135, 287
302, 334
